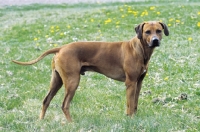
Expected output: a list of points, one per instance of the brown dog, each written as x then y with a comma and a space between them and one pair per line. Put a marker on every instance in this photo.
123, 61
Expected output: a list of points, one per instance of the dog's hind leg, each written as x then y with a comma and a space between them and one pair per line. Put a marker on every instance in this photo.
71, 84
55, 85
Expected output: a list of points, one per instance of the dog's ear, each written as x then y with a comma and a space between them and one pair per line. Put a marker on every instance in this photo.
166, 31
138, 30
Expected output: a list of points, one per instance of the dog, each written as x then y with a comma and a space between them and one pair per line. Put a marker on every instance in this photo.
125, 61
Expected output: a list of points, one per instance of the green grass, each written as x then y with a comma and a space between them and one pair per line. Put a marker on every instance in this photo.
100, 103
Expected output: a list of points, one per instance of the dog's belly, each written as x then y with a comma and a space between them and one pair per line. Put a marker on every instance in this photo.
114, 73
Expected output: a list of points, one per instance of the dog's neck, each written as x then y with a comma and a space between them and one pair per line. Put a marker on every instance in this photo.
147, 51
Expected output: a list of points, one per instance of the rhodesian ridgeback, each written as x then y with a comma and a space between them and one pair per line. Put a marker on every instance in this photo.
125, 61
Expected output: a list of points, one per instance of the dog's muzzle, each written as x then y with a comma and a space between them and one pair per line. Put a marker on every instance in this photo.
154, 42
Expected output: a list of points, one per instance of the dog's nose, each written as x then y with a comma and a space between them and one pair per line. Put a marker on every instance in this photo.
155, 39
155, 42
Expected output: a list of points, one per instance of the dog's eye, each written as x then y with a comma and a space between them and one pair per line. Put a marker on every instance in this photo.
148, 32
158, 31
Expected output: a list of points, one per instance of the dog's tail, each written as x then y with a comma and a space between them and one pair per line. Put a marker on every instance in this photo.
51, 51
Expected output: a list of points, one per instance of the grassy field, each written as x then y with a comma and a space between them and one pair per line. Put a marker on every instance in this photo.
100, 103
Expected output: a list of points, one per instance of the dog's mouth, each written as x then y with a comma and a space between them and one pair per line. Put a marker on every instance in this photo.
155, 42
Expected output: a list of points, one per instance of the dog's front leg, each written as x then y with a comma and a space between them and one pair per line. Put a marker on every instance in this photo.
130, 96
137, 93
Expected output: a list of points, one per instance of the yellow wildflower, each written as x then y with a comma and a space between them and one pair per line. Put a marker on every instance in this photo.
152, 7
61, 34
169, 25
117, 22
92, 20
166, 78
68, 26
130, 11
189, 39
171, 19
198, 24
144, 13
135, 13
178, 21
35, 39
198, 13
55, 45
158, 13
52, 27
107, 21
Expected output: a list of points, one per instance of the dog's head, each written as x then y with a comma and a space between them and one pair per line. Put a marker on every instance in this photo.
151, 32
